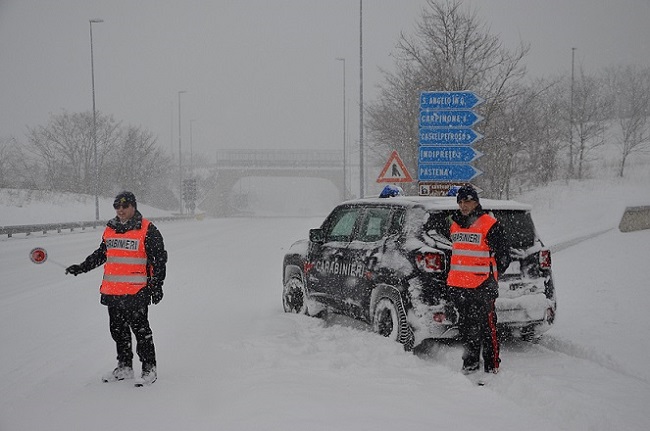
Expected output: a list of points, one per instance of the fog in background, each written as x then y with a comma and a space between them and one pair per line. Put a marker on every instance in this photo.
261, 73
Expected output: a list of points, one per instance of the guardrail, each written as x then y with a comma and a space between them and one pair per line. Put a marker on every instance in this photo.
58, 227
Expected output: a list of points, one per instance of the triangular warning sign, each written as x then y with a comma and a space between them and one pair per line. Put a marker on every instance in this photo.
394, 171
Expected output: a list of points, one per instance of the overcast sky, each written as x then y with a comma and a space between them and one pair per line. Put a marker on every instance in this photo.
260, 73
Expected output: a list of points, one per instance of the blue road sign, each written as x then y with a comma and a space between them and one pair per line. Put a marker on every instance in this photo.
448, 154
449, 100
449, 118
457, 136
446, 172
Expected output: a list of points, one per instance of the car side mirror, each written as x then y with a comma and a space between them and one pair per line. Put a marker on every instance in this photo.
317, 236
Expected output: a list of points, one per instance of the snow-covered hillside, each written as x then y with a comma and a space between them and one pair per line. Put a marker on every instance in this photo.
20, 207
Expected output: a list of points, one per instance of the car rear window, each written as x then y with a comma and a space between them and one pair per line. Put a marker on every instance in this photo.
518, 226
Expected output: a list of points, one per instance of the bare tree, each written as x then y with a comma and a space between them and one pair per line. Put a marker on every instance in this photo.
17, 169
451, 50
65, 148
630, 90
524, 147
591, 110
137, 164
60, 147
393, 122
545, 140
8, 161
60, 156
505, 146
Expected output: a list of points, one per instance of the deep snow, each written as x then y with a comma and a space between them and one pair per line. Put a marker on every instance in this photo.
230, 359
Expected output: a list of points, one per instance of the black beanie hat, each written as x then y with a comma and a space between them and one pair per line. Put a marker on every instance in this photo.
125, 197
467, 193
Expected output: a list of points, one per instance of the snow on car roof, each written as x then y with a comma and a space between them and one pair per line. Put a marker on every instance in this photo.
445, 203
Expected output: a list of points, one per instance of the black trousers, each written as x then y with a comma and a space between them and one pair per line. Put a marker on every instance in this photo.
123, 321
477, 325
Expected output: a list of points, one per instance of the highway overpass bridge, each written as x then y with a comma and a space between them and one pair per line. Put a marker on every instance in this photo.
233, 165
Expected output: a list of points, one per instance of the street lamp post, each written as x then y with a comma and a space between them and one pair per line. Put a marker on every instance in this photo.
191, 156
573, 57
345, 182
171, 129
92, 74
180, 157
361, 167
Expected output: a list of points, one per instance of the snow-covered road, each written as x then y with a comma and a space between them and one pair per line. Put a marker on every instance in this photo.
230, 359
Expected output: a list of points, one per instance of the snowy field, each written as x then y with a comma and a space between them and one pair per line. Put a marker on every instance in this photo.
230, 359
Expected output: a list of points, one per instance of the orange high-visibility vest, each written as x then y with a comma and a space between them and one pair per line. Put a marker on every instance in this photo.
125, 270
471, 259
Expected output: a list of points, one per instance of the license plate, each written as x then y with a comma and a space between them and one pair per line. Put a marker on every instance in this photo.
517, 286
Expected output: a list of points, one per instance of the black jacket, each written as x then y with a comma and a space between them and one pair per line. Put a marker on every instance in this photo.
156, 258
495, 239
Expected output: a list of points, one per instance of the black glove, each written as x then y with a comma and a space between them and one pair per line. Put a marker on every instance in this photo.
156, 293
74, 270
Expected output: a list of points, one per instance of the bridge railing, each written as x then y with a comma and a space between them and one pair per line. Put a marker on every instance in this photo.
279, 158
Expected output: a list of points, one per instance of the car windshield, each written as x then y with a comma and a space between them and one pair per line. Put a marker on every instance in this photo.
375, 224
340, 224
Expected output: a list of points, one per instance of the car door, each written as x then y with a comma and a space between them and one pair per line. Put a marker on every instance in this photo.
327, 257
364, 254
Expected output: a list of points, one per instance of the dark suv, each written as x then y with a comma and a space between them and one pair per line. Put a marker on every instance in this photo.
385, 261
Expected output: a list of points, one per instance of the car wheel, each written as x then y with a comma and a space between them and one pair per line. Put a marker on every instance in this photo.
389, 320
294, 295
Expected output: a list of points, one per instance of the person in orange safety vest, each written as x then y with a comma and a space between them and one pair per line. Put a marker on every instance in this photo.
135, 261
479, 253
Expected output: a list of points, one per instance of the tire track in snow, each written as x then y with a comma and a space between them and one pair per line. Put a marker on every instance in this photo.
590, 354
559, 246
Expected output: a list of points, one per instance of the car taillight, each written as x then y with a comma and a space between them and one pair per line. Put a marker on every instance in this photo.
545, 259
430, 261
550, 316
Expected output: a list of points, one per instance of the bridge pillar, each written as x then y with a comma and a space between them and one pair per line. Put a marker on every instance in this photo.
217, 202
